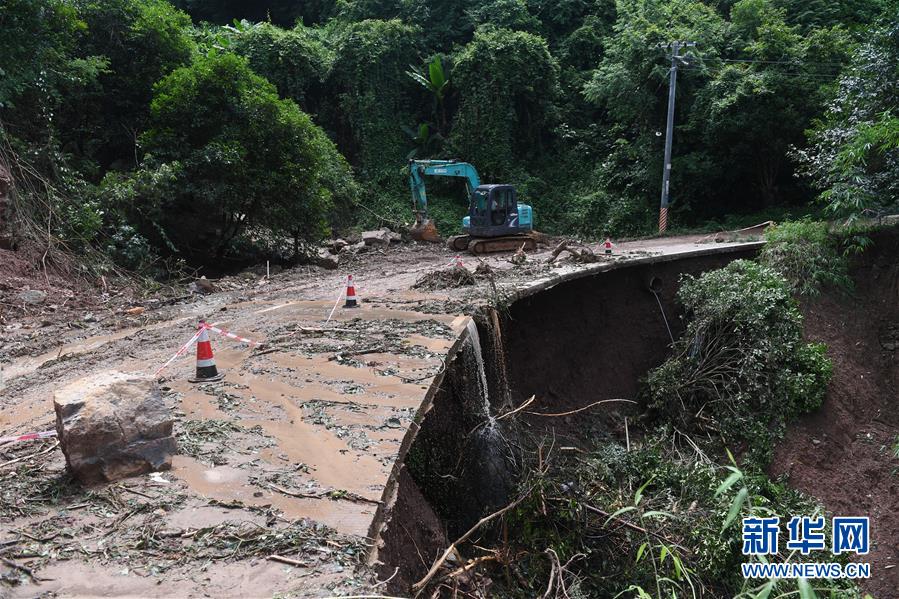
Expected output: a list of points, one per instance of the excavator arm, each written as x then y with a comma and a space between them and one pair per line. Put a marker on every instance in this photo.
418, 169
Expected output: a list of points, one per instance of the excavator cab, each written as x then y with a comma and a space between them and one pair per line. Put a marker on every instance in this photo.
494, 211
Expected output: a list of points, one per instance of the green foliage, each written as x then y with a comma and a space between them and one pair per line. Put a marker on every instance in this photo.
508, 78
139, 41
284, 13
505, 14
565, 99
38, 36
437, 83
741, 368
369, 77
809, 256
224, 154
854, 159
297, 61
645, 521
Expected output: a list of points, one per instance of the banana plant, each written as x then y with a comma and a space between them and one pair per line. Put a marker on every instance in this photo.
435, 82
425, 142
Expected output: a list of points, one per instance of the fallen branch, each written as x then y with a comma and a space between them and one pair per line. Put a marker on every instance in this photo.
31, 455
584, 255
347, 354
287, 560
587, 407
136, 492
421, 584
632, 526
332, 494
518, 409
324, 330
24, 569
471, 564
383, 582
270, 350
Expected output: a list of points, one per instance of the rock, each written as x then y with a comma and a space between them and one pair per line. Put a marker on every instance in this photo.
326, 260
337, 245
112, 425
356, 248
33, 297
203, 286
380, 237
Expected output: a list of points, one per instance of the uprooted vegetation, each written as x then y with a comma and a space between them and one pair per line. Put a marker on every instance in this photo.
445, 278
812, 255
741, 370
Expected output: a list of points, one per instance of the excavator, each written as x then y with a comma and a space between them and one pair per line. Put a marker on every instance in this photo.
496, 221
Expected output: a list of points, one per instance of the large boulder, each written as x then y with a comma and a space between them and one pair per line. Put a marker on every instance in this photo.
381, 237
112, 425
326, 259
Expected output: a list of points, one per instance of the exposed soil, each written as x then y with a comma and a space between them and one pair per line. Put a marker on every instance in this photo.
844, 453
610, 330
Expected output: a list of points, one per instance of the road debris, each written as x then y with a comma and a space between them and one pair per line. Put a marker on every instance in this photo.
446, 278
579, 252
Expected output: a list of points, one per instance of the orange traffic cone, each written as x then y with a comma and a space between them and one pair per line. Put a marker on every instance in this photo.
607, 246
350, 293
206, 370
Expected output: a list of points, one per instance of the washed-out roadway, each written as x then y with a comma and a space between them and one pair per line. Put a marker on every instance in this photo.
309, 425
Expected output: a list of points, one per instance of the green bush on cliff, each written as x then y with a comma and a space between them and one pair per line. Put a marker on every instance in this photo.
741, 369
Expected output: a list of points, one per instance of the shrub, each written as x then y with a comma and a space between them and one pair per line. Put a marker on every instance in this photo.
808, 255
641, 518
226, 154
741, 368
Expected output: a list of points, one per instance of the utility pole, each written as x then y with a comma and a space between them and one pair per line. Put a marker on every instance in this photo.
675, 47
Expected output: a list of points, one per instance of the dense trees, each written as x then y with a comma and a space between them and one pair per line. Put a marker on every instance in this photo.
224, 154
854, 158
781, 102
506, 110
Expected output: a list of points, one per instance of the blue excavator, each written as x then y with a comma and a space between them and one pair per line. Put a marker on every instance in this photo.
496, 220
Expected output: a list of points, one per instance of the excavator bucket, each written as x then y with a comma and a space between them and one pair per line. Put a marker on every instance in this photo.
425, 231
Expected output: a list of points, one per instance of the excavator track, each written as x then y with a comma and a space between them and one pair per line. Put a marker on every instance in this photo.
458, 243
487, 245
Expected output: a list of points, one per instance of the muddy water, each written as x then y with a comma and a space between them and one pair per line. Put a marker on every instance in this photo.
343, 423
29, 364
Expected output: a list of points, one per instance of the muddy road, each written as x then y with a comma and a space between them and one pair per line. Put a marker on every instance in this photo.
284, 464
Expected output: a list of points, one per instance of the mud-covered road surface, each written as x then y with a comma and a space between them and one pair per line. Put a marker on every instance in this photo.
283, 465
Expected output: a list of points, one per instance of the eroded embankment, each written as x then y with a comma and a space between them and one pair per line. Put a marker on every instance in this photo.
593, 338
844, 453
569, 345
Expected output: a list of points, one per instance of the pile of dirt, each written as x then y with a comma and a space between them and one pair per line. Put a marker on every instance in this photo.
447, 278
843, 454
22, 271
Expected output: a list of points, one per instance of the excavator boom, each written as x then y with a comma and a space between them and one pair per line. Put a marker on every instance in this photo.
444, 168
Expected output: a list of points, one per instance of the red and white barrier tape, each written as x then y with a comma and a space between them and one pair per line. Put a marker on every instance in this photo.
231, 335
28, 437
339, 297
187, 345
180, 352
